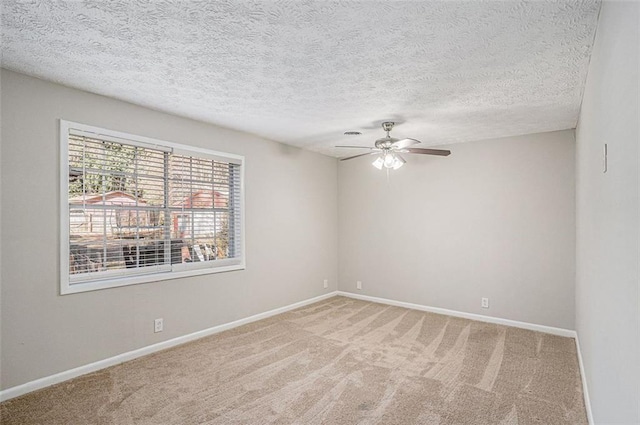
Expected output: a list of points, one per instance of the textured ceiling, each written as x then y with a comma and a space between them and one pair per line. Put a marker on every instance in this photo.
304, 72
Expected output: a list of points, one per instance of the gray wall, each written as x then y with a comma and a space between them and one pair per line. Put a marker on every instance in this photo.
291, 236
495, 219
608, 219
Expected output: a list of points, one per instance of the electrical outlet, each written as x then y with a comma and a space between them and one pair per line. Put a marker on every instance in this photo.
158, 325
358, 285
485, 303
326, 283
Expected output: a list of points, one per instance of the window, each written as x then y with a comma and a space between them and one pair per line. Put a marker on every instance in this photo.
138, 210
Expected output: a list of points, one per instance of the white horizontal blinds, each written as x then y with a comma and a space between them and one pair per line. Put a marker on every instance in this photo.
117, 202
236, 249
140, 208
201, 216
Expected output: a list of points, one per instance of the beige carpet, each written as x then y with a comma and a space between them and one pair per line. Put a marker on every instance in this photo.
340, 361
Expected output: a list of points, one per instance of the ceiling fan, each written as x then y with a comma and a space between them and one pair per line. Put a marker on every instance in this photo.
390, 149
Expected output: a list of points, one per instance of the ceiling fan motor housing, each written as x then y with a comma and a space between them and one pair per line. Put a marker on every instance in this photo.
385, 142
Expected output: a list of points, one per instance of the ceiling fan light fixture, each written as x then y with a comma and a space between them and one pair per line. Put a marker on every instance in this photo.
398, 162
389, 160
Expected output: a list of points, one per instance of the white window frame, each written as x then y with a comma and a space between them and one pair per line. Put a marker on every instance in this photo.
177, 270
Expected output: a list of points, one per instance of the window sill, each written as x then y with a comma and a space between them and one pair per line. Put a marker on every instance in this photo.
73, 288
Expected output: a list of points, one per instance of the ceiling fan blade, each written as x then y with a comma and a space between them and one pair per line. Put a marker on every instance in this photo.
405, 143
356, 156
353, 147
440, 152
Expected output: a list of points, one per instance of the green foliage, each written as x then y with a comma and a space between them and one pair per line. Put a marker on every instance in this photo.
222, 237
105, 170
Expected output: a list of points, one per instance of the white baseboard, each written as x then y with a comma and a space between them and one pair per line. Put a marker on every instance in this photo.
37, 384
585, 390
479, 317
28, 387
